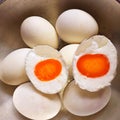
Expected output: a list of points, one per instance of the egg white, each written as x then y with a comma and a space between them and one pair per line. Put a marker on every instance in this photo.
97, 45
49, 87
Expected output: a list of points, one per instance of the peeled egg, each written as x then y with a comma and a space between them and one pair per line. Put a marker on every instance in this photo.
83, 103
36, 30
95, 63
46, 69
35, 105
68, 52
12, 69
75, 25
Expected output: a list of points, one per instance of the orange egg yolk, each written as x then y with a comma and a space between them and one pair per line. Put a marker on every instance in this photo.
93, 65
48, 69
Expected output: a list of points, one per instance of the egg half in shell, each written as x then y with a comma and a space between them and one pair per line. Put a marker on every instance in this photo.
95, 63
46, 69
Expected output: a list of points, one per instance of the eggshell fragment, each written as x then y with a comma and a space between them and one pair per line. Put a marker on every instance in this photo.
83, 103
34, 104
12, 68
36, 30
75, 25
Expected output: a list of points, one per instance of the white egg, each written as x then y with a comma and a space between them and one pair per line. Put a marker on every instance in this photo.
36, 30
83, 103
12, 69
95, 63
35, 105
68, 52
46, 69
75, 25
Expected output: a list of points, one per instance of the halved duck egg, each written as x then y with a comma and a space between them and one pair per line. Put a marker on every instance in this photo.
95, 63
46, 69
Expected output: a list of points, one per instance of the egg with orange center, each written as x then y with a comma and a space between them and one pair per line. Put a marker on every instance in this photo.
46, 69
95, 63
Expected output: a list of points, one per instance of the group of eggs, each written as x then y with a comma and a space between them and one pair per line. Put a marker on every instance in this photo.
82, 70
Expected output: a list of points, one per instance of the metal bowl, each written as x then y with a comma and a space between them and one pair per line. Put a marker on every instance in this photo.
13, 12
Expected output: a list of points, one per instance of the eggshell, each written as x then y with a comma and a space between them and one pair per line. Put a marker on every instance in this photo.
12, 69
98, 44
83, 103
68, 52
34, 104
36, 30
75, 25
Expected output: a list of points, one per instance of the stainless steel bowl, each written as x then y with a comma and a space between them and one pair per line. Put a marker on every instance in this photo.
13, 12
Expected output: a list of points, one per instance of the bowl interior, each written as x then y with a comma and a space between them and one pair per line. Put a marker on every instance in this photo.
13, 12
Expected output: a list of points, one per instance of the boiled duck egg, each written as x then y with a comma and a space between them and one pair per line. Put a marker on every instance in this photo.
84, 103
36, 30
95, 63
12, 67
46, 69
35, 105
68, 52
75, 25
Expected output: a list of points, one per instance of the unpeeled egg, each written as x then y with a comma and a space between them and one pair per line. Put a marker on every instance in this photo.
12, 68
35, 105
67, 53
83, 103
75, 25
36, 30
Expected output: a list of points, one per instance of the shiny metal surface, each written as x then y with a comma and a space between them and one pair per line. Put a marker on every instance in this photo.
13, 12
